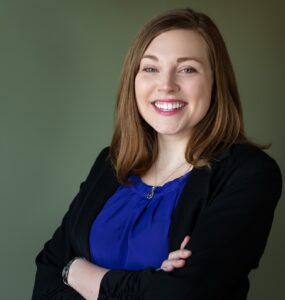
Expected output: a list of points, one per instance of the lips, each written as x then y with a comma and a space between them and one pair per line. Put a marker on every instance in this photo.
168, 105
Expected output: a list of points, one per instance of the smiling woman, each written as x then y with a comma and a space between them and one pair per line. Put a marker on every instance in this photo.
175, 79
181, 204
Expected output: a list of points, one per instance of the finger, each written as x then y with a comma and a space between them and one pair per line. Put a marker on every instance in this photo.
184, 253
185, 241
178, 263
168, 269
169, 265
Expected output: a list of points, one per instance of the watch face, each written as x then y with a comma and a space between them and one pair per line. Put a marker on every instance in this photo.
64, 274
65, 270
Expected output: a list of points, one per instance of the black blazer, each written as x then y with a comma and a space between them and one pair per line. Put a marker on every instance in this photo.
226, 209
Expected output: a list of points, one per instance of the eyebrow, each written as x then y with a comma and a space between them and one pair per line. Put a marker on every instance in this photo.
179, 60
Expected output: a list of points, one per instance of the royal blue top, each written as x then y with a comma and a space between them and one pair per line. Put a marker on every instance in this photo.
131, 231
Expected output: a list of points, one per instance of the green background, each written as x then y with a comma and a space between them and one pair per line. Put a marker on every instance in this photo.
59, 69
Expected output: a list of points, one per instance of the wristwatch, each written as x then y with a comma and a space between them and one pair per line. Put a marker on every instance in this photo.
65, 270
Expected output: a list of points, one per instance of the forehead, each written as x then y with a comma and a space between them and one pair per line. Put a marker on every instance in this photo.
178, 43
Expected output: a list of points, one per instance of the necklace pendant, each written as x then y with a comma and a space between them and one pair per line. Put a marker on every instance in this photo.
151, 193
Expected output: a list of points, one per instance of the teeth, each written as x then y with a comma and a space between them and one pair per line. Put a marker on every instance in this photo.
168, 106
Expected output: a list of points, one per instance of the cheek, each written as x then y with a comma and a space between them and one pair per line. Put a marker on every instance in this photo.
138, 88
140, 93
201, 95
201, 87
143, 86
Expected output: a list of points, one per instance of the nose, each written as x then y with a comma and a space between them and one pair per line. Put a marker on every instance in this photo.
167, 83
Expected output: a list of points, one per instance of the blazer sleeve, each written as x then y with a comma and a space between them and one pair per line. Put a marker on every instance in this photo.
227, 241
58, 251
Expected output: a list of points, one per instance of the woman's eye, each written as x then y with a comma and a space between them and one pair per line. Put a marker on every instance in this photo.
188, 70
149, 69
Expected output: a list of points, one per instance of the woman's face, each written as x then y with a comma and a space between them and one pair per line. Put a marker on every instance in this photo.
174, 83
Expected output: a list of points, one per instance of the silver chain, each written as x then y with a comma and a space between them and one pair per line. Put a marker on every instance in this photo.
154, 187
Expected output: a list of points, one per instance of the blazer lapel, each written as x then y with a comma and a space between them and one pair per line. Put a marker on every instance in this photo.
191, 203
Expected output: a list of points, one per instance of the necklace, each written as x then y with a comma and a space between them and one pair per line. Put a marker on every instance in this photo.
154, 187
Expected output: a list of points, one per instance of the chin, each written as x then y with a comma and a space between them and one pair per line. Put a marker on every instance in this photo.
169, 132
166, 131
173, 132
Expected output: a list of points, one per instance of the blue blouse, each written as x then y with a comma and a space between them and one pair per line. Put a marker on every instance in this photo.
131, 231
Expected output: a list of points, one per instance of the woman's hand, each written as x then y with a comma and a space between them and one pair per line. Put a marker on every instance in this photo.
176, 259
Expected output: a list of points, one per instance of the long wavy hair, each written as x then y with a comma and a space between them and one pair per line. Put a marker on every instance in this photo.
134, 146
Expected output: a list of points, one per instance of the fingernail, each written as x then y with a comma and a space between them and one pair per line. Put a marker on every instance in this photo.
185, 251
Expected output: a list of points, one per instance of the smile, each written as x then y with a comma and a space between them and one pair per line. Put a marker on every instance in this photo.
168, 106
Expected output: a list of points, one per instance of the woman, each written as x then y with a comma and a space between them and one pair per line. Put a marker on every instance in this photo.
179, 165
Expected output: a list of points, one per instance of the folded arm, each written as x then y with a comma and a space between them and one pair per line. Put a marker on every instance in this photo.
227, 242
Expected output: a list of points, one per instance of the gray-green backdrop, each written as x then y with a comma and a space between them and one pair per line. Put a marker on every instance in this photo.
59, 69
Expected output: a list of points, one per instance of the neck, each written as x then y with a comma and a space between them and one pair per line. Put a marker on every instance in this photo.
171, 151
170, 163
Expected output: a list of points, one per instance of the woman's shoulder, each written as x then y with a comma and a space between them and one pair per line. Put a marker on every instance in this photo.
240, 154
248, 161
102, 160
101, 165
252, 155
103, 156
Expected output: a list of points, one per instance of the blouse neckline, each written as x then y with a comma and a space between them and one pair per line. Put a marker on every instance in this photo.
143, 188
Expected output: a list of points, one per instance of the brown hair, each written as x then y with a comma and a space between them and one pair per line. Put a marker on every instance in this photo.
134, 146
